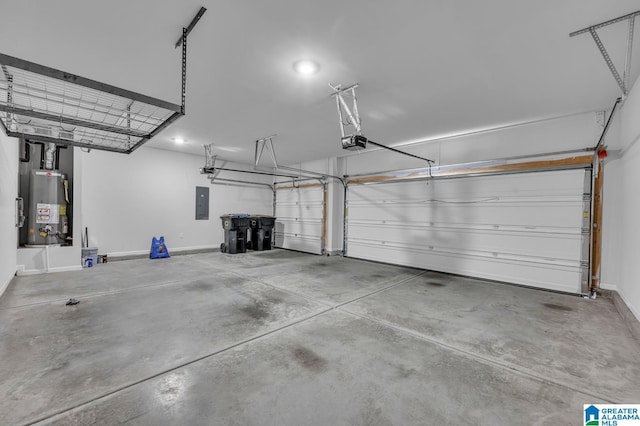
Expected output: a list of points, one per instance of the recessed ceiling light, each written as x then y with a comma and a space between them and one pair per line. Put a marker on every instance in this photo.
306, 67
179, 141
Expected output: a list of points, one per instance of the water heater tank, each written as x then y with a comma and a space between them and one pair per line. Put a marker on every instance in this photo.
47, 209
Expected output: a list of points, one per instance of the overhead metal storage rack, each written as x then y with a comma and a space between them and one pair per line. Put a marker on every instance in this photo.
49, 105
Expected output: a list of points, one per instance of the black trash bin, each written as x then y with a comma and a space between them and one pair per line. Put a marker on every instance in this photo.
261, 231
235, 233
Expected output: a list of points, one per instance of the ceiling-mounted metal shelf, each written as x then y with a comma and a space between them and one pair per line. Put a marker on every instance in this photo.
45, 104
49, 105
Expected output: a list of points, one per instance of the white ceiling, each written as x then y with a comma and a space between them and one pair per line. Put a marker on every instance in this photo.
425, 68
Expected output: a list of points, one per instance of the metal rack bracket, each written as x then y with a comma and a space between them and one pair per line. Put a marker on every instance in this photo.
267, 143
623, 81
261, 145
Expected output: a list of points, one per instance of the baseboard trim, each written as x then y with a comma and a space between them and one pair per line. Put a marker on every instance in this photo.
606, 286
5, 284
143, 254
22, 271
630, 316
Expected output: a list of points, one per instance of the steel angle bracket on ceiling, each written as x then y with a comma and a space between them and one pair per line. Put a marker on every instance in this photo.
623, 81
212, 170
275, 171
351, 125
261, 145
44, 104
267, 144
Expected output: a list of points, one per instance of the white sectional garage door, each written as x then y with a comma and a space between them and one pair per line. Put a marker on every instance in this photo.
525, 228
300, 218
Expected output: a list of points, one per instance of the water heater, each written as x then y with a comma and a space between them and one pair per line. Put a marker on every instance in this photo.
47, 218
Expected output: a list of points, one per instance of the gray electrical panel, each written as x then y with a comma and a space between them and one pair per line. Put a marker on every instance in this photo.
202, 203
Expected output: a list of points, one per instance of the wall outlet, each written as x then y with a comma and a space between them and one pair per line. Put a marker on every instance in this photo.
181, 235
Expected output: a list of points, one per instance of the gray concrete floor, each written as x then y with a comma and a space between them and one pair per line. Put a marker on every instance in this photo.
284, 338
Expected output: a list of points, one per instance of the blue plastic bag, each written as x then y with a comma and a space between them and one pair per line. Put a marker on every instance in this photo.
158, 249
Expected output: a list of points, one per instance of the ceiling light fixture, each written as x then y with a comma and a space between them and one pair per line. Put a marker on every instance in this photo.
306, 67
179, 141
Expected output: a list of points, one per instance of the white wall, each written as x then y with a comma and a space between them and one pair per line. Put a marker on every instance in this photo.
8, 194
128, 199
559, 134
621, 240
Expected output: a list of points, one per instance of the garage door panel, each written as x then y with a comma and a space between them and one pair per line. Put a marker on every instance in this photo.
560, 183
526, 228
412, 225
513, 214
554, 245
300, 219
300, 243
311, 228
560, 277
308, 195
306, 212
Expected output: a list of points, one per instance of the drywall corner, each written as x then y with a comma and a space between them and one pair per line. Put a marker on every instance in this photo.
621, 243
9, 148
626, 311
